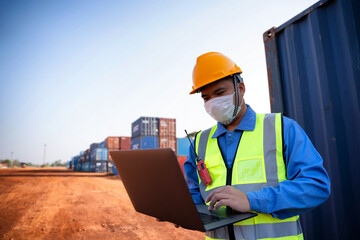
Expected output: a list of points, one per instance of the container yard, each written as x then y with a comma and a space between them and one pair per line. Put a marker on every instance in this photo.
147, 133
87, 199
153, 132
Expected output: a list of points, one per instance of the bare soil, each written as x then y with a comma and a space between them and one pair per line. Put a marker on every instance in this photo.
56, 203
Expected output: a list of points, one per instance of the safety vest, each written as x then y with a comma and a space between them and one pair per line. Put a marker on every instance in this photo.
258, 163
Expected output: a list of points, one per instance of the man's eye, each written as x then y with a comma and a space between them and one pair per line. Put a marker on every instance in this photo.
220, 93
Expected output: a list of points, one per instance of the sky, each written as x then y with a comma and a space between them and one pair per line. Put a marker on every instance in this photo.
74, 72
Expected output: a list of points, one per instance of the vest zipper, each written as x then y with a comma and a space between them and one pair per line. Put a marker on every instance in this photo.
228, 182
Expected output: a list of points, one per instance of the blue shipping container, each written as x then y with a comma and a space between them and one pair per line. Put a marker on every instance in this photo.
77, 166
85, 167
100, 166
88, 167
76, 163
183, 145
145, 126
110, 166
87, 157
144, 142
313, 64
76, 158
94, 146
102, 144
99, 154
92, 166
72, 162
114, 170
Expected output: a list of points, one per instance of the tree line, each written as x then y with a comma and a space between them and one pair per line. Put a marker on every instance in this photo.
17, 163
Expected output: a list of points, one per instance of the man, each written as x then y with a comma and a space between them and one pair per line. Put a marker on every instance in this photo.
257, 162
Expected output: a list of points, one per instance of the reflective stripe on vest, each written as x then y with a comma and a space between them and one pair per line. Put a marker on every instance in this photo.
258, 163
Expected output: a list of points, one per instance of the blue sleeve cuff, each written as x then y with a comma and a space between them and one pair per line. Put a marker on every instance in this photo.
255, 201
258, 204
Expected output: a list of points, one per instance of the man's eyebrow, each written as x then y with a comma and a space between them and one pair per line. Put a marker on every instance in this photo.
220, 89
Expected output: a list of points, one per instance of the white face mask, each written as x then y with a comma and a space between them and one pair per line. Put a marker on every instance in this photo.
222, 108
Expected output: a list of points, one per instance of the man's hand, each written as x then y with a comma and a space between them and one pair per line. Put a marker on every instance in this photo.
228, 196
175, 225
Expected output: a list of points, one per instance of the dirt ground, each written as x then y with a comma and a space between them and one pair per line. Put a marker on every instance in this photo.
56, 203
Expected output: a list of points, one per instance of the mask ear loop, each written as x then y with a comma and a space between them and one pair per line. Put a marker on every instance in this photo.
236, 95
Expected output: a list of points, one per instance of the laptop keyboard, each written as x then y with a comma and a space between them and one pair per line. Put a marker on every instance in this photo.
206, 218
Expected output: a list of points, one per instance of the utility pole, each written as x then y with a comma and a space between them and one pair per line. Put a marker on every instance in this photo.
12, 153
44, 154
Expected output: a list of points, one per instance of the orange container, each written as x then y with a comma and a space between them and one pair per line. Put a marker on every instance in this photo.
117, 143
125, 143
167, 127
112, 143
168, 142
181, 160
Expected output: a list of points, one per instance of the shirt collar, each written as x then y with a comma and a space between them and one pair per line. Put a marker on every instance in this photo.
247, 123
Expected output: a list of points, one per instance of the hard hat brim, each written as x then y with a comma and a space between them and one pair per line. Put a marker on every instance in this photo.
196, 90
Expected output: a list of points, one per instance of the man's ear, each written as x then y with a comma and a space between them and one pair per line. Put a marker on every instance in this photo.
242, 89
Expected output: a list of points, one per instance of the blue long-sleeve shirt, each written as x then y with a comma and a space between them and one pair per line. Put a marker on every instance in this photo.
308, 184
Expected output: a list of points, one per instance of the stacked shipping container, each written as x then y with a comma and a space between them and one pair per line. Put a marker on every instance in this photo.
111, 143
153, 132
117, 143
87, 160
147, 133
144, 133
93, 146
167, 133
97, 157
99, 154
99, 160
144, 142
145, 126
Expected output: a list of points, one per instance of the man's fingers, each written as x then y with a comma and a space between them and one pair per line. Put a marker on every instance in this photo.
217, 197
228, 196
223, 202
210, 196
216, 191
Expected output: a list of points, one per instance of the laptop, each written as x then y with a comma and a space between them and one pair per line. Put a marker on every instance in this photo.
156, 186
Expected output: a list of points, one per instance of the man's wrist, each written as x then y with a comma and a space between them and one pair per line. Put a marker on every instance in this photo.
255, 201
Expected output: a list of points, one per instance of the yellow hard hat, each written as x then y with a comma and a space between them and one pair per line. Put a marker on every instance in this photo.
210, 67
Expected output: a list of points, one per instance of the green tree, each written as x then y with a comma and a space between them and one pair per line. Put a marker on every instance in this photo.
45, 165
58, 163
8, 162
